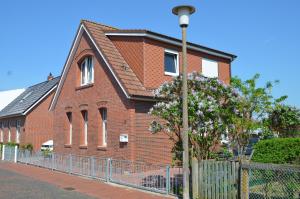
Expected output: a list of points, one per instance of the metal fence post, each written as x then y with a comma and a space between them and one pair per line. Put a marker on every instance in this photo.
168, 180
108, 169
92, 166
16, 154
52, 162
70, 163
3, 152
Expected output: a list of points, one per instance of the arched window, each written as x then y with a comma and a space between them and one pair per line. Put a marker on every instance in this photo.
87, 71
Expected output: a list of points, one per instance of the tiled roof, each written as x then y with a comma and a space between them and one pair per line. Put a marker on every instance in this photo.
28, 98
124, 73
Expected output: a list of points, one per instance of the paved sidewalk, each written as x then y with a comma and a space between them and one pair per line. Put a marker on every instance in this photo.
86, 187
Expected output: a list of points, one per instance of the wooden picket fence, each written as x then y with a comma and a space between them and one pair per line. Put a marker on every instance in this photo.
215, 179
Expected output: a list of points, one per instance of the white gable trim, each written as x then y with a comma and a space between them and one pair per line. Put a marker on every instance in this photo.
68, 64
41, 99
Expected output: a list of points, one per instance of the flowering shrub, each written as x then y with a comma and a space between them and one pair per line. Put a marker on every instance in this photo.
209, 103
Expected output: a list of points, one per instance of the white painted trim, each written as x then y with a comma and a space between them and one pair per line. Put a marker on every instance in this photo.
43, 97
177, 63
67, 65
170, 41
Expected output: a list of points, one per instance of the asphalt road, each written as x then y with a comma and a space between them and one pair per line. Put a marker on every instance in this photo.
16, 186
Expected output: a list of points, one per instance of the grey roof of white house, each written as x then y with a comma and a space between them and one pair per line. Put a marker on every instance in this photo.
26, 100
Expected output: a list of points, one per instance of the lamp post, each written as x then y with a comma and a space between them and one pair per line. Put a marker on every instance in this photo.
184, 13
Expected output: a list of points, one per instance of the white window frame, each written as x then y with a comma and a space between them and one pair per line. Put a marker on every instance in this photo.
168, 51
70, 118
1, 133
103, 112
18, 131
210, 60
84, 80
85, 127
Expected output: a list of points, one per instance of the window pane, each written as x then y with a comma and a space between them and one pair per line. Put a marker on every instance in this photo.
170, 63
104, 125
90, 69
83, 72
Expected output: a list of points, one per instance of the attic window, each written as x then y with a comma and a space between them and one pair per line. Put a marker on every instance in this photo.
87, 71
171, 63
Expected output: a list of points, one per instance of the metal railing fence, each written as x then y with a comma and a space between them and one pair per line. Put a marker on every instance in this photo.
266, 181
151, 177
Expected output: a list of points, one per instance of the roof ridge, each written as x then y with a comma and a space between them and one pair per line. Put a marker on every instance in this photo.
44, 82
97, 23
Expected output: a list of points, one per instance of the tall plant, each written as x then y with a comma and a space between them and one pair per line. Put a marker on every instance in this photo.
209, 103
253, 108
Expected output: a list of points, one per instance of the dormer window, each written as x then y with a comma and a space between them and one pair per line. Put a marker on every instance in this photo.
87, 71
171, 63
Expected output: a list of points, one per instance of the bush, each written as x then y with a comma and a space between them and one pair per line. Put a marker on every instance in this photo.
278, 151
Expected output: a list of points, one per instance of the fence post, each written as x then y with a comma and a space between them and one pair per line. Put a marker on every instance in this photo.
168, 179
3, 152
92, 166
52, 161
195, 177
244, 178
108, 169
16, 154
70, 163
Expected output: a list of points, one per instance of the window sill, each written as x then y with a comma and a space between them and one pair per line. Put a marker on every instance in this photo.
84, 86
171, 74
102, 148
83, 146
68, 145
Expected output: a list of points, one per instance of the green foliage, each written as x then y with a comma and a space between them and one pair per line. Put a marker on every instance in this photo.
284, 120
11, 144
253, 107
27, 147
278, 151
209, 102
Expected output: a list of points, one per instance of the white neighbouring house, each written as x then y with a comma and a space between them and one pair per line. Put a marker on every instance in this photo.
8, 96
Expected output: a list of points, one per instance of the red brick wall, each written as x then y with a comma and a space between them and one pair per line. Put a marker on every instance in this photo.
153, 148
39, 124
150, 70
36, 127
105, 92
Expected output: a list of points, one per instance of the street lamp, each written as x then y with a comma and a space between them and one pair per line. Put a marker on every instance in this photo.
184, 13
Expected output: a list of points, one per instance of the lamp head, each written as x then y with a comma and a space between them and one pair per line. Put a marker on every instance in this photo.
183, 12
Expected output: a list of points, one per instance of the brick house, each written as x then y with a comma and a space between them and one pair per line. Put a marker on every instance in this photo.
27, 120
106, 90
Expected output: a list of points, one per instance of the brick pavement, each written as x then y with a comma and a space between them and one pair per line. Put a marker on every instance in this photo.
93, 188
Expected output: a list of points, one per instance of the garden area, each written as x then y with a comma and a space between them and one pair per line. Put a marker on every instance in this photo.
237, 122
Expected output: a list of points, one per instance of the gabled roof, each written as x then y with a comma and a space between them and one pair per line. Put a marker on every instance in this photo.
27, 100
121, 71
8, 96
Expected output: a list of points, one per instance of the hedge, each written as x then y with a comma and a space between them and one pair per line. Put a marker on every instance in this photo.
277, 151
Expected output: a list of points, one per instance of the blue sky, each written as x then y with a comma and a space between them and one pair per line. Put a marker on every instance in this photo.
35, 36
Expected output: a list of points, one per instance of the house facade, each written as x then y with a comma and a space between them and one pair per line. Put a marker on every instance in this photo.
27, 120
102, 100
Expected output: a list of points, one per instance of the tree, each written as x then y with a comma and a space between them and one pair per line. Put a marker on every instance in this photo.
209, 103
284, 120
253, 107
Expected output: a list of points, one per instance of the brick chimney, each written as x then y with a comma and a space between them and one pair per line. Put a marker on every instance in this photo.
50, 77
